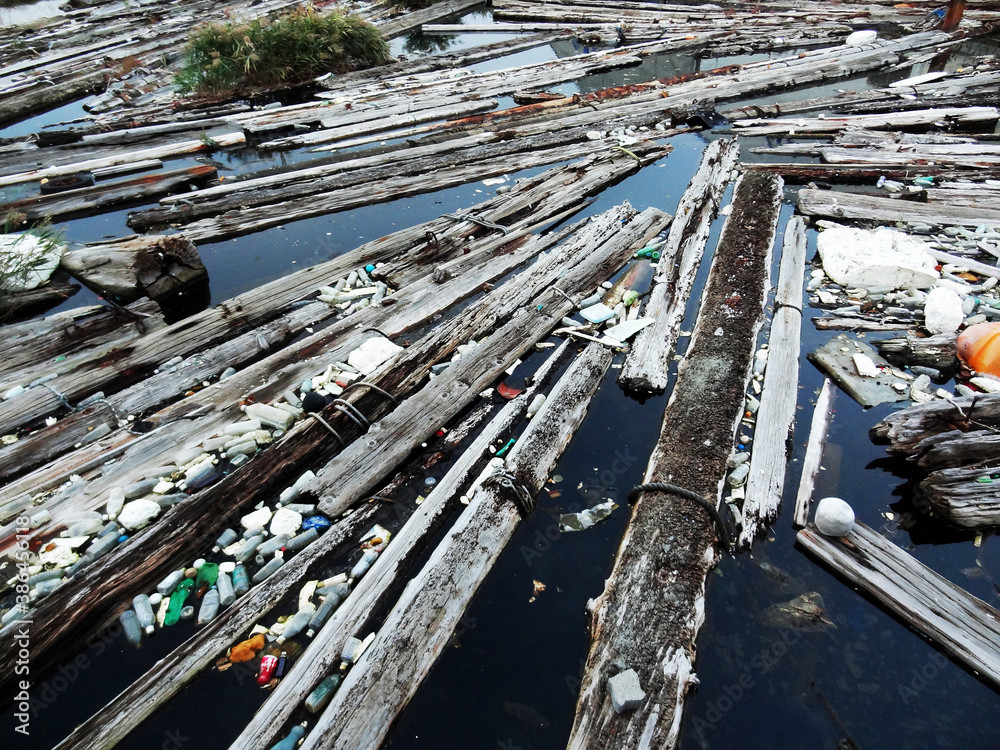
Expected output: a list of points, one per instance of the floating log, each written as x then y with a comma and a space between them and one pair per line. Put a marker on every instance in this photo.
17, 304
112, 193
859, 174
323, 652
965, 496
653, 604
906, 429
420, 625
411, 20
967, 628
885, 121
937, 351
837, 205
822, 413
132, 568
772, 445
648, 360
153, 266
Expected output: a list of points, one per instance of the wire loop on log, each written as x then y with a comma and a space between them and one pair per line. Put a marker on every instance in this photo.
673, 489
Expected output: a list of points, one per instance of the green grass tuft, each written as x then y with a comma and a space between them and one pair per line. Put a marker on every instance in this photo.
265, 54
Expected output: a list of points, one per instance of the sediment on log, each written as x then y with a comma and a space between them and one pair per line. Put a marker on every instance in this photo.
646, 364
652, 606
323, 653
964, 626
776, 416
388, 674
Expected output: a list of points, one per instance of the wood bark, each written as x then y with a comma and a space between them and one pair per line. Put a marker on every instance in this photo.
652, 606
822, 414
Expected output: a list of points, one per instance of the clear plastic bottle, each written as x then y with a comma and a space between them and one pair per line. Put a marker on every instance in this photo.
225, 539
168, 584
329, 604
249, 548
362, 565
227, 595
268, 570
298, 623
130, 624
298, 542
144, 611
209, 606
319, 697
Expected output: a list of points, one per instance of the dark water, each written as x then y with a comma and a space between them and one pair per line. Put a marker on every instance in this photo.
510, 678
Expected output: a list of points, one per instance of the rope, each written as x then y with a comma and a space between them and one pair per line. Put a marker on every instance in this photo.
476, 220
519, 494
60, 397
673, 489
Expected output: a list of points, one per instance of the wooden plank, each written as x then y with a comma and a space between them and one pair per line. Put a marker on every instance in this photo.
837, 205
647, 362
323, 652
883, 121
962, 496
822, 413
652, 606
772, 444
964, 626
420, 625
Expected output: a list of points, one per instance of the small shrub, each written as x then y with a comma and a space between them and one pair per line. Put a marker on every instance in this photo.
28, 257
223, 58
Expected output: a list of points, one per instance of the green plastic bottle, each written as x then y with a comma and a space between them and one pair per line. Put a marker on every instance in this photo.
319, 697
207, 573
177, 599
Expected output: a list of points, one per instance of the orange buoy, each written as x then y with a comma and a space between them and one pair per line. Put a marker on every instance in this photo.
979, 347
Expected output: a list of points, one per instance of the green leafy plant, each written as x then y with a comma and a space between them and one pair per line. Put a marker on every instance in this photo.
26, 254
225, 58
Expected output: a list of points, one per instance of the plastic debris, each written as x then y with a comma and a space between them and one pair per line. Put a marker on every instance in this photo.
943, 311
625, 690
319, 697
804, 612
586, 518
597, 313
834, 517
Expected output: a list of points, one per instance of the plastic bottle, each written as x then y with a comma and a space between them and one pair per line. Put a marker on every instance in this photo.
84, 528
144, 611
268, 570
301, 540
290, 741
130, 624
111, 527
362, 565
45, 575
341, 589
329, 604
208, 573
209, 606
102, 546
241, 581
168, 584
273, 544
44, 588
536, 404
319, 697
298, 623
228, 537
177, 599
116, 501
282, 660
79, 565
226, 593
249, 548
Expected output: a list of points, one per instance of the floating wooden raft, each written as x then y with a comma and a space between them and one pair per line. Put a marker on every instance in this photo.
964, 626
652, 606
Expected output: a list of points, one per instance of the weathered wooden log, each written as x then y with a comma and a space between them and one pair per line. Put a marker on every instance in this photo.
905, 429
822, 414
410, 20
178, 533
112, 193
886, 121
965, 496
837, 205
646, 365
967, 628
862, 174
420, 625
857, 324
772, 445
323, 653
956, 448
18, 304
652, 606
153, 266
936, 351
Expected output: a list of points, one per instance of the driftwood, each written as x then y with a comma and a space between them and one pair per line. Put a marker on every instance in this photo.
418, 628
837, 205
652, 606
647, 362
177, 534
931, 351
324, 651
964, 626
772, 445
154, 266
19, 304
822, 414
963, 496
886, 121
906, 429
111, 193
